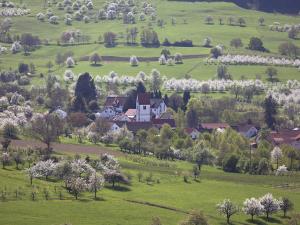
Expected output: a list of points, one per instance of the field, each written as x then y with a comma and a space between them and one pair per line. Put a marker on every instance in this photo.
130, 204
195, 29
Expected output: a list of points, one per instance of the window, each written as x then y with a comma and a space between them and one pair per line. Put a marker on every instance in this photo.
144, 107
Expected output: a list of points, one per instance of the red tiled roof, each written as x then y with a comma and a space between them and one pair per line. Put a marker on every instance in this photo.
212, 126
135, 126
160, 122
131, 113
115, 101
284, 136
190, 130
143, 99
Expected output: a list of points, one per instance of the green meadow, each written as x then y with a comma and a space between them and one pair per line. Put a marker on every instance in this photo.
194, 29
130, 204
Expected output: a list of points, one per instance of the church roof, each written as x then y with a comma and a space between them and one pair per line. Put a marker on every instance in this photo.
143, 99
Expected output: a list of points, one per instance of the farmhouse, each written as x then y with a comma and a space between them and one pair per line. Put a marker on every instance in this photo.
285, 136
192, 132
209, 127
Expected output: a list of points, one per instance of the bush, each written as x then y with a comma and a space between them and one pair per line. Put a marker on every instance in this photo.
230, 163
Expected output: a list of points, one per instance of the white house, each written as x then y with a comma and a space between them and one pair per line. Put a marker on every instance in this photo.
113, 106
194, 133
114, 127
143, 109
158, 107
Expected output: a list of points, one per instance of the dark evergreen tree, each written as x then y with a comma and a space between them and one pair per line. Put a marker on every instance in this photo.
270, 112
140, 88
85, 91
192, 118
186, 97
166, 99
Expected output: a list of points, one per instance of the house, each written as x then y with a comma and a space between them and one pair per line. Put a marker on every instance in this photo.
192, 132
158, 107
247, 130
209, 127
60, 113
131, 114
158, 123
134, 126
166, 115
143, 110
285, 136
121, 117
113, 127
113, 105
115, 102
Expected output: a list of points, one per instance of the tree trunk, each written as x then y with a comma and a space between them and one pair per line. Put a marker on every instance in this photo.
252, 218
30, 180
228, 221
95, 194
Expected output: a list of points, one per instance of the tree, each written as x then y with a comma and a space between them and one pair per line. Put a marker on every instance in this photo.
195, 218
207, 42
222, 72
227, 208
156, 80
241, 21
95, 58
46, 128
95, 183
271, 73
230, 163
77, 185
270, 106
286, 205
236, 43
70, 62
109, 39
49, 65
216, 52
256, 44
166, 52
29, 41
231, 20
276, 155
289, 49
196, 172
178, 58
291, 154
209, 20
156, 221
270, 204
5, 159
133, 61
149, 38
261, 21
23, 68
85, 92
293, 32
252, 207
202, 155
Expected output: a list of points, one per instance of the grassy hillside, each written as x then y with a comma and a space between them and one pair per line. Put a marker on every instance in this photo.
195, 29
126, 205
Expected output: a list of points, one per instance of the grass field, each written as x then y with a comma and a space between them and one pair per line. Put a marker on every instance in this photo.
195, 29
114, 207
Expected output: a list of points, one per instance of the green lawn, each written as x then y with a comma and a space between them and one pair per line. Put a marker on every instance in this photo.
195, 29
114, 207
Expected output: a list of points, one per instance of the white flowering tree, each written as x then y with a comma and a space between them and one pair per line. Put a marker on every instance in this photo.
134, 61
227, 208
276, 155
70, 62
253, 207
270, 204
281, 171
16, 47
44, 168
77, 185
95, 183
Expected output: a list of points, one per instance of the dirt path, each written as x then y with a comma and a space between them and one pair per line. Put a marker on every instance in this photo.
72, 148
